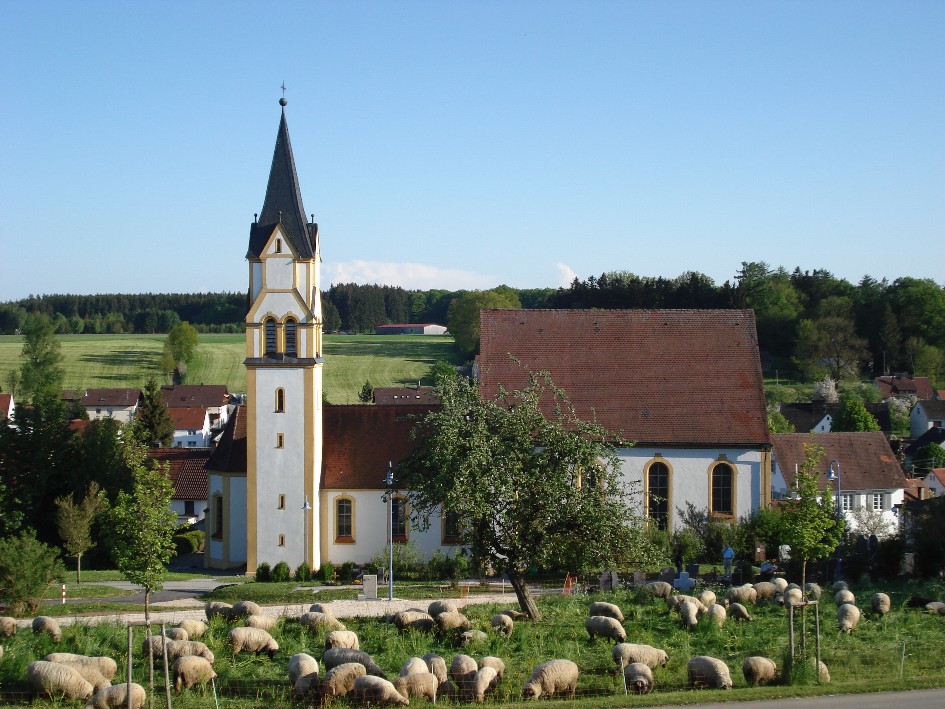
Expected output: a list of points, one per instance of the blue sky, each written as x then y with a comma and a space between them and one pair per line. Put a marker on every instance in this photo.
468, 144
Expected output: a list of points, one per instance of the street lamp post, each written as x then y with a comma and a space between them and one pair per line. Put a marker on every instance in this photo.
305, 510
389, 479
833, 475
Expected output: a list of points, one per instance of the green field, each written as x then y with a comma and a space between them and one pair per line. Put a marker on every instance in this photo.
92, 361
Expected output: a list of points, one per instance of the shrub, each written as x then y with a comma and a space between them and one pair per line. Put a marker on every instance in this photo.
27, 569
408, 562
280, 572
264, 573
303, 572
327, 572
346, 572
686, 546
188, 542
449, 567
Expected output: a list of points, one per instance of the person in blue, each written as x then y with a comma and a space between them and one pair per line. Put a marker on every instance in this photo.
728, 554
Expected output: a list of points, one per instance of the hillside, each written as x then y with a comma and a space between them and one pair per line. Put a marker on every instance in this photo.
128, 360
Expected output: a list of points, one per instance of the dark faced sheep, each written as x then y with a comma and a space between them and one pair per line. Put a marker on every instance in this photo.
660, 589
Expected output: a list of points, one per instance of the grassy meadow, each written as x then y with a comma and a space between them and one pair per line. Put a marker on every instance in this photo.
901, 650
92, 361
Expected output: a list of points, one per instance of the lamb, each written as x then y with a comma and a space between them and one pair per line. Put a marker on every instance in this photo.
813, 590
707, 598
105, 665
315, 621
437, 607
340, 679
413, 620
418, 685
414, 666
7, 626
844, 596
502, 624
739, 612
176, 634
793, 597
823, 671
848, 616
759, 670
436, 665
89, 673
660, 589
688, 611
116, 697
472, 637
217, 609
342, 638
186, 648
45, 624
191, 670
484, 680
194, 628
705, 671
242, 609
716, 614
638, 678
765, 590
495, 663
340, 655
377, 690
601, 625
628, 653
303, 673
607, 609
55, 680
741, 594
880, 603
552, 677
780, 583
252, 640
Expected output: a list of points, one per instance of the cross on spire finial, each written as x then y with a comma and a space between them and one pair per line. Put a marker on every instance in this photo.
283, 89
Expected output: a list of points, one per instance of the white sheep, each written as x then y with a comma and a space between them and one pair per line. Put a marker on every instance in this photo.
414, 620
705, 671
342, 638
688, 612
116, 697
89, 673
601, 625
436, 665
823, 671
739, 612
315, 621
303, 673
153, 645
7, 626
194, 628
105, 665
880, 603
793, 597
54, 680
484, 680
813, 591
241, 609
340, 679
628, 653
495, 663
45, 624
638, 678
340, 655
848, 615
185, 648
741, 594
252, 640
263, 622
765, 590
550, 678
759, 670
452, 620
377, 690
502, 624
176, 634
462, 669
660, 589
716, 614
437, 607
844, 596
217, 609
608, 609
840, 586
936, 607
473, 637
191, 670
780, 583
325, 608
707, 598
673, 602
414, 666
418, 685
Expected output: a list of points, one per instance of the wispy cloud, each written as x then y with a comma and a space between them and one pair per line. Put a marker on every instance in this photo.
565, 274
407, 275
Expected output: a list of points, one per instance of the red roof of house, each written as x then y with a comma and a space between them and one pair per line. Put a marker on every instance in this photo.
866, 460
411, 396
6, 404
187, 419
361, 441
186, 470
672, 377
230, 454
183, 395
895, 385
916, 489
111, 397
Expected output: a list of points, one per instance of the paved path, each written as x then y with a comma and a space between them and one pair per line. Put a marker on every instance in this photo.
915, 699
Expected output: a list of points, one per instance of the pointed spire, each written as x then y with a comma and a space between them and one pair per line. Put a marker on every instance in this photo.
283, 203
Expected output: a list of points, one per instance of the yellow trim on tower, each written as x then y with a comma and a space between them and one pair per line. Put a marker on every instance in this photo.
308, 407
251, 555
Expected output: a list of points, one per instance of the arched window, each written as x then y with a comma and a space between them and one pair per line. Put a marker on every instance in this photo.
344, 520
217, 526
270, 326
290, 346
400, 519
657, 494
280, 401
722, 490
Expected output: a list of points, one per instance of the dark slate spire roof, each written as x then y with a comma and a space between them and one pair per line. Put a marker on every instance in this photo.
283, 203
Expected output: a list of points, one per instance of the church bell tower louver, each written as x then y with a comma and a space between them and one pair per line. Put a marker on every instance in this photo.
283, 373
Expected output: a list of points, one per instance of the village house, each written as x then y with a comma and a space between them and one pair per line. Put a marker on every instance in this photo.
120, 404
191, 427
926, 414
186, 471
211, 397
903, 385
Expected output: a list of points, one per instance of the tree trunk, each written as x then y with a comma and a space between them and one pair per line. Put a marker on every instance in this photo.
78, 569
147, 607
525, 599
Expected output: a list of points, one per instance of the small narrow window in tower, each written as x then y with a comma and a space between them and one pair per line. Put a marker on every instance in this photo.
280, 440
281, 540
217, 532
281, 502
290, 346
270, 336
280, 401
278, 246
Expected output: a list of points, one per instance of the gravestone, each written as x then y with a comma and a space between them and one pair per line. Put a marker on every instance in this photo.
370, 587
668, 574
609, 581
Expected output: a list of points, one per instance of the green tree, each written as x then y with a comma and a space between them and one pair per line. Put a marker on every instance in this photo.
28, 568
929, 456
777, 423
930, 362
463, 318
810, 522
143, 527
528, 491
180, 344
853, 416
366, 395
831, 341
41, 370
74, 521
155, 424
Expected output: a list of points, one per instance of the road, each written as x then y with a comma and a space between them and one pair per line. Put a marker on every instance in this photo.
916, 699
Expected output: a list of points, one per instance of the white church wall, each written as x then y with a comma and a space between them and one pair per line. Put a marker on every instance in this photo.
280, 273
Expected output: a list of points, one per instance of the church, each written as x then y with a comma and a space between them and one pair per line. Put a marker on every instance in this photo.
295, 479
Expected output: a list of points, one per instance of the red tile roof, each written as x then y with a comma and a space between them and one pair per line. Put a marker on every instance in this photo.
183, 395
674, 377
895, 385
360, 441
411, 396
186, 470
866, 460
111, 397
916, 489
189, 419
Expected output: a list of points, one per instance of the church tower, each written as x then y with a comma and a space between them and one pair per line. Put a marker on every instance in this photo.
283, 373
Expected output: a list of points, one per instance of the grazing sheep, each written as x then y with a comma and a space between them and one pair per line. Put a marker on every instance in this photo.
780, 583
793, 597
340, 655
89, 673
414, 620
342, 638
436, 665
660, 589
217, 609
194, 628
792, 585
263, 622
54, 680
502, 624
716, 614
473, 637
418, 685
840, 586
485, 679
739, 612
105, 665
191, 670
549, 678
377, 690
153, 645
813, 591
495, 663
437, 607
414, 666
318, 621
759, 670
601, 625
673, 602
116, 697
608, 609
844, 597
707, 598
765, 590
325, 608
462, 669
741, 594
448, 689
848, 616
688, 611
176, 634
254, 640
638, 678
340, 679
628, 653
514, 614
705, 671
452, 620
7, 626
185, 648
303, 673
823, 671
936, 607
45, 624
880, 603
241, 609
